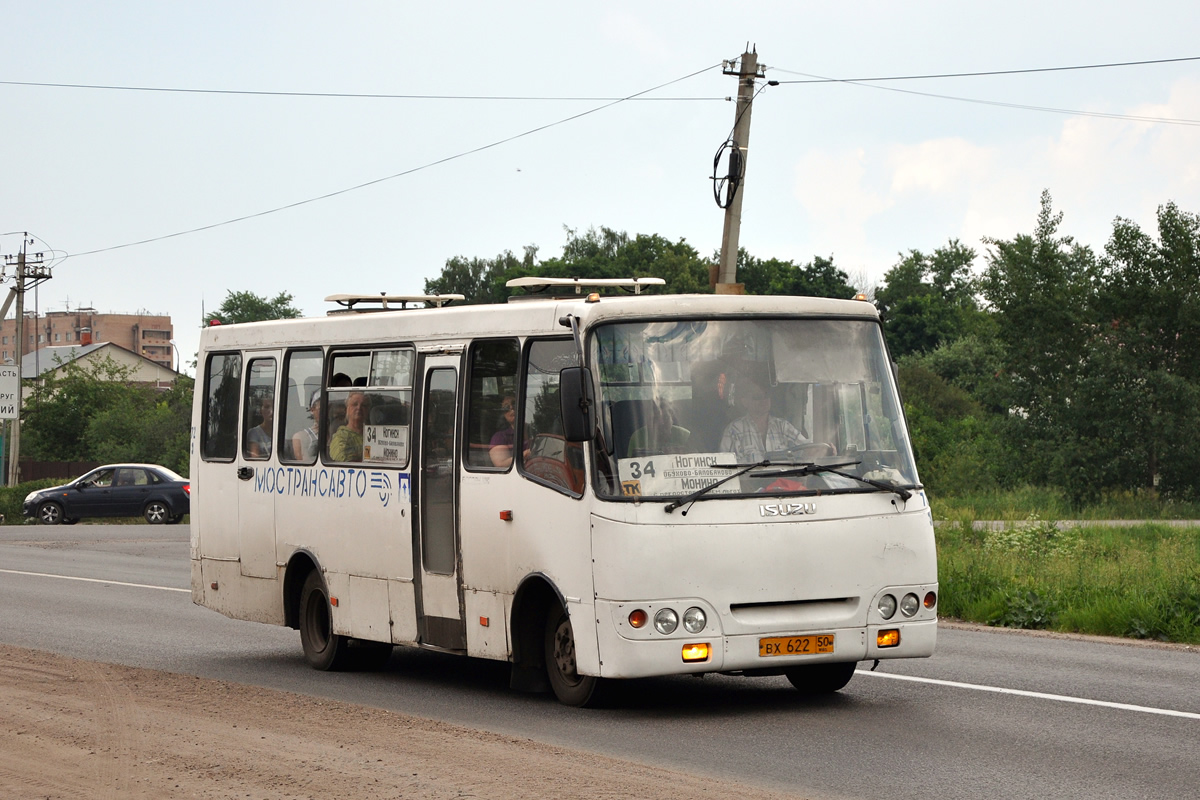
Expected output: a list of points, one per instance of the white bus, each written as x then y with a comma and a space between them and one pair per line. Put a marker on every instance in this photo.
589, 487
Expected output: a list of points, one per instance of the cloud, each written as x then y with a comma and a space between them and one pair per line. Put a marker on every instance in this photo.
833, 190
867, 204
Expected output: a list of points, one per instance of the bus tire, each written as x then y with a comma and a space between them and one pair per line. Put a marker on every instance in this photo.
323, 649
821, 678
571, 688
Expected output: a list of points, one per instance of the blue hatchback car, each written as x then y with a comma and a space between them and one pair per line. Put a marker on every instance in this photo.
115, 490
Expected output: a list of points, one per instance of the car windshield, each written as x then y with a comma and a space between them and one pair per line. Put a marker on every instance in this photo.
689, 404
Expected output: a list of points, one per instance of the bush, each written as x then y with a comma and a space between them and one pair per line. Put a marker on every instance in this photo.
13, 497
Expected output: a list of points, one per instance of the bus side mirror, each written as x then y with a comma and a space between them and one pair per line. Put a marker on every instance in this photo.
577, 400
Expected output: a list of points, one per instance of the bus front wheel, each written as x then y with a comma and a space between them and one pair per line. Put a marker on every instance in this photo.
571, 688
821, 678
323, 649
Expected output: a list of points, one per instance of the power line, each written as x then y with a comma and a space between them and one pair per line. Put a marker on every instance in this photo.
1001, 104
819, 79
349, 95
455, 157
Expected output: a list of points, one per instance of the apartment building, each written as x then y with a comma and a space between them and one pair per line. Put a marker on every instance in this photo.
148, 335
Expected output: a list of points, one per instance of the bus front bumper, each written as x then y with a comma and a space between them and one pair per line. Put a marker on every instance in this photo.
759, 653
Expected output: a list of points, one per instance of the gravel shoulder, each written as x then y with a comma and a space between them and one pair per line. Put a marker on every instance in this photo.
73, 728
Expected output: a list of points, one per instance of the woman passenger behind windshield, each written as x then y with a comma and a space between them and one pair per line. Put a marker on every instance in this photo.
660, 435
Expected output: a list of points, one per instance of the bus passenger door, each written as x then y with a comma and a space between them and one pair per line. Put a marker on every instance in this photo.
257, 476
441, 621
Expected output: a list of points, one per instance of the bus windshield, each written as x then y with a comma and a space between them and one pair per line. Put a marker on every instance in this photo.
687, 404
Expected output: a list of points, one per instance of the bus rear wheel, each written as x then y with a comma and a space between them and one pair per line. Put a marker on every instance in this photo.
571, 688
323, 649
821, 678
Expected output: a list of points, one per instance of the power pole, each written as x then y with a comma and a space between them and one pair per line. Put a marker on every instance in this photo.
29, 271
747, 72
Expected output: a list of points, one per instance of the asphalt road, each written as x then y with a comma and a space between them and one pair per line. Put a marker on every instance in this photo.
991, 714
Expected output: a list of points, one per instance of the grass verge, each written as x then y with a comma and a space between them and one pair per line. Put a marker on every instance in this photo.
1141, 581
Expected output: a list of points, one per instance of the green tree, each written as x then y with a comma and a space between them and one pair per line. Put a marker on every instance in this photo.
817, 278
1146, 351
250, 307
93, 412
1064, 380
55, 416
603, 253
146, 426
929, 299
607, 253
481, 280
958, 445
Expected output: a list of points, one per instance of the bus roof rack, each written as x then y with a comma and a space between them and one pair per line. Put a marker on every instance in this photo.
535, 285
388, 302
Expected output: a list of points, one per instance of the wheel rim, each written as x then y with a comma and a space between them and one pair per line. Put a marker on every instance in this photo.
156, 512
50, 514
564, 652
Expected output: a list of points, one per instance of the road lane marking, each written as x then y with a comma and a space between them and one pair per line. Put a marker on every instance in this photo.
1062, 698
94, 580
913, 679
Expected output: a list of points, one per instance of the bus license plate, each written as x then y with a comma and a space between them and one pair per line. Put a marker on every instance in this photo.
796, 645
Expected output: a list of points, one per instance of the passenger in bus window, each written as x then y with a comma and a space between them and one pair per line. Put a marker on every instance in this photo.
757, 433
347, 443
500, 448
660, 435
307, 441
258, 438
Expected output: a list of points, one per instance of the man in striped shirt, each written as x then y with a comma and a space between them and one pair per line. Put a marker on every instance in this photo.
757, 433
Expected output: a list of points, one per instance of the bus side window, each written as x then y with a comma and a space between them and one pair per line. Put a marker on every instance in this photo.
492, 387
300, 407
222, 386
369, 406
547, 456
258, 412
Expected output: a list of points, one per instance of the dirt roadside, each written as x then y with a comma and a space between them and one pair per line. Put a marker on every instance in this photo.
80, 729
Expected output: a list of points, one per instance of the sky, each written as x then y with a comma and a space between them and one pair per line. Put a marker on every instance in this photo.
495, 126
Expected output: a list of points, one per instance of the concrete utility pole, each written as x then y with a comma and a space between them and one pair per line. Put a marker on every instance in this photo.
27, 270
747, 73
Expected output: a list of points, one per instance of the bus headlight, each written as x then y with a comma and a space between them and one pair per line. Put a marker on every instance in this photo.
887, 606
694, 620
910, 604
666, 621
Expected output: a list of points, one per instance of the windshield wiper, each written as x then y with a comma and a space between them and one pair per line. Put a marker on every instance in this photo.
902, 489
696, 495
801, 468
795, 469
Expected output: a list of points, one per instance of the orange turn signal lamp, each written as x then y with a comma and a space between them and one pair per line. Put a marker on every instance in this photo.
696, 652
638, 618
888, 638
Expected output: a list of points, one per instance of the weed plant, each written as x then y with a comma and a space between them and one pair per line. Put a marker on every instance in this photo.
1141, 581
1047, 503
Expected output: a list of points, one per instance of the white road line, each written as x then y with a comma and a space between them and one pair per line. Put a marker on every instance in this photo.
1040, 695
934, 681
94, 580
